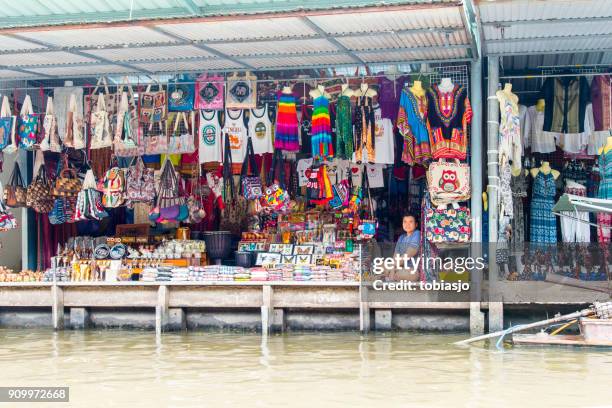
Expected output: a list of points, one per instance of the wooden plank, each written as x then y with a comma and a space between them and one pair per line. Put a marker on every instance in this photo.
315, 297
32, 296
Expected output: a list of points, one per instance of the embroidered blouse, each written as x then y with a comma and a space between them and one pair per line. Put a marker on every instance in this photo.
448, 116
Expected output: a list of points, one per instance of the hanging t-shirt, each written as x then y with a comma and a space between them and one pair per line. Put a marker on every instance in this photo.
375, 175
260, 130
356, 171
337, 170
210, 137
236, 131
302, 166
383, 131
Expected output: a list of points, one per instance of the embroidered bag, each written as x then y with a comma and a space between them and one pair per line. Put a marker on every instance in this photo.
249, 180
448, 182
181, 92
113, 187
111, 100
7, 124
140, 183
75, 137
180, 133
152, 105
15, 194
209, 92
28, 125
241, 92
89, 203
7, 219
448, 225
100, 126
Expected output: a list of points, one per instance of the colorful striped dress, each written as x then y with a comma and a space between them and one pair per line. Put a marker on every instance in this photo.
321, 137
286, 135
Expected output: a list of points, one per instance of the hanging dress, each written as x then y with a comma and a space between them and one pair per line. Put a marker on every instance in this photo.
510, 144
604, 220
344, 128
320, 131
286, 136
518, 185
412, 125
543, 225
365, 130
449, 115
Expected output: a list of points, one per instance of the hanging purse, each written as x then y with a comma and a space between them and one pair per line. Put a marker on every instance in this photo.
181, 92
51, 140
126, 142
448, 224
7, 219
234, 212
28, 125
181, 136
140, 183
112, 186
67, 183
7, 124
152, 105
39, 191
92, 101
15, 194
100, 126
448, 182
241, 92
209, 92
74, 137
89, 203
249, 180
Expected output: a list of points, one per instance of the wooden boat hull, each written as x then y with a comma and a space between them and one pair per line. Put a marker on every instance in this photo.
544, 339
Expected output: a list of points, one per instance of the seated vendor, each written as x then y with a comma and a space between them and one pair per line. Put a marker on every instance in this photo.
407, 244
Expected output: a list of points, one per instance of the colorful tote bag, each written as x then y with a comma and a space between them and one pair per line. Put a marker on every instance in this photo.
7, 124
181, 133
209, 92
448, 225
181, 94
75, 137
51, 140
100, 126
92, 101
28, 125
448, 182
241, 92
126, 141
152, 105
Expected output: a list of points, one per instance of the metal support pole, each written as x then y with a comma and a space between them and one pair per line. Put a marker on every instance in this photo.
476, 143
496, 309
492, 146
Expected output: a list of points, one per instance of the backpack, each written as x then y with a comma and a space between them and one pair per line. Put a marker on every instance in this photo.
113, 188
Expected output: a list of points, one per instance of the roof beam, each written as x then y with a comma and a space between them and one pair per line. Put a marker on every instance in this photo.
555, 38
471, 21
331, 40
190, 6
511, 54
76, 52
23, 71
578, 20
203, 47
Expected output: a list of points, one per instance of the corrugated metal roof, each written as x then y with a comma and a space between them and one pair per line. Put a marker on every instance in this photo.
276, 47
241, 29
551, 46
396, 56
182, 66
8, 43
44, 58
384, 21
81, 70
7, 74
96, 37
520, 10
151, 53
301, 61
544, 29
393, 40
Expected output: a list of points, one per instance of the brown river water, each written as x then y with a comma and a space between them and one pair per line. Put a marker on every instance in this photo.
202, 369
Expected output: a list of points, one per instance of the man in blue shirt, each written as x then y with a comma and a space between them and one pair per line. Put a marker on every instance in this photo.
408, 244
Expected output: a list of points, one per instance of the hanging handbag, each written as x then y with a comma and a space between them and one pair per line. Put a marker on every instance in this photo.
126, 142
155, 139
92, 101
7, 219
74, 138
100, 126
7, 124
209, 92
152, 105
181, 92
234, 212
39, 191
112, 186
249, 180
28, 125
181, 135
140, 183
51, 140
57, 215
67, 183
241, 92
448, 182
89, 203
448, 224
15, 194
169, 201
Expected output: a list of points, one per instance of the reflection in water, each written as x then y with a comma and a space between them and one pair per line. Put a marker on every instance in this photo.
118, 368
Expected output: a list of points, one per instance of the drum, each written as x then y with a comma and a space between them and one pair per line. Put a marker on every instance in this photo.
218, 245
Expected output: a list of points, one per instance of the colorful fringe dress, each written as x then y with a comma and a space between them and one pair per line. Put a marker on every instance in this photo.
344, 128
286, 136
321, 137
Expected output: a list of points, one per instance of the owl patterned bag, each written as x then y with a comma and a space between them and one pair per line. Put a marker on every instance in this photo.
448, 182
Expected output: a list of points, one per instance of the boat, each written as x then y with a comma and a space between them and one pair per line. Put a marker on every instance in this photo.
593, 333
